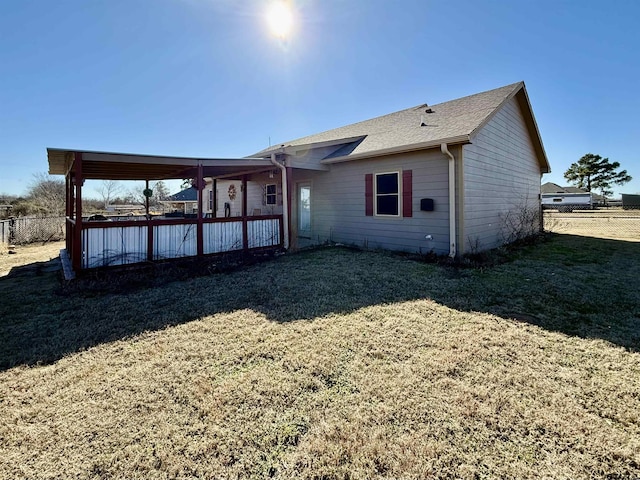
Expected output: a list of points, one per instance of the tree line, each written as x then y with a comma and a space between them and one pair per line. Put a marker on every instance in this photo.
46, 196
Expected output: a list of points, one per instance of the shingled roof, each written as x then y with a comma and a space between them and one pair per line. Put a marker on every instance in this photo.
455, 121
187, 195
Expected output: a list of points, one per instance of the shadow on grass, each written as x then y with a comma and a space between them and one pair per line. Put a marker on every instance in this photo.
579, 286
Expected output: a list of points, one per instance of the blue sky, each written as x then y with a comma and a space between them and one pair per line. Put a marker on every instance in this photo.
207, 78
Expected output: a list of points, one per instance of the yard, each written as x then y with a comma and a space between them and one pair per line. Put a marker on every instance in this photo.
613, 224
328, 364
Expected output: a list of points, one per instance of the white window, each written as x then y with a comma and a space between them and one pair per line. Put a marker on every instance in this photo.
271, 194
387, 194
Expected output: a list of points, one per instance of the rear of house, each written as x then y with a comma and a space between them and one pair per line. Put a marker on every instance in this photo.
451, 178
456, 177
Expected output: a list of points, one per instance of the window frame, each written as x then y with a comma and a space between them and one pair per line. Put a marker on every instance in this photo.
398, 194
268, 195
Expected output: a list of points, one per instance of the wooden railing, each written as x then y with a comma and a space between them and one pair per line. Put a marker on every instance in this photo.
110, 243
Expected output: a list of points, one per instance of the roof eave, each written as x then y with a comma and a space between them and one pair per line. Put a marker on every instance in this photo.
157, 167
457, 140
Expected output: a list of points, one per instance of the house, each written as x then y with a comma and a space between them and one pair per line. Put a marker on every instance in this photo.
569, 196
565, 199
450, 178
185, 202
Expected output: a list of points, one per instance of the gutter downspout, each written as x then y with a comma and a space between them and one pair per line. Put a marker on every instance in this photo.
452, 200
285, 201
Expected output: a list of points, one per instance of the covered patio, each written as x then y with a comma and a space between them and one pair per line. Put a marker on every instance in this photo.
106, 243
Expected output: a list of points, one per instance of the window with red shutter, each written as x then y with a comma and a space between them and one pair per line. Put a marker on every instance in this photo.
368, 194
383, 196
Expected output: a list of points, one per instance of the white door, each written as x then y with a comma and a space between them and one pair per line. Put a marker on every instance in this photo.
304, 210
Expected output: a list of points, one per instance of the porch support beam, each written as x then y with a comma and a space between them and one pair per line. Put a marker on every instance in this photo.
289, 198
214, 203
245, 229
76, 256
71, 222
67, 212
149, 226
239, 174
199, 222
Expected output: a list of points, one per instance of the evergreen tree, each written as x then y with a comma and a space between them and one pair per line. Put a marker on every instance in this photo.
592, 172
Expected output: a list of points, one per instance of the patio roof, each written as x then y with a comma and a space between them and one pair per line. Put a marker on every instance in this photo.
127, 166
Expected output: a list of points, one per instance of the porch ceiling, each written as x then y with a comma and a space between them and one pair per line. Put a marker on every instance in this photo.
124, 166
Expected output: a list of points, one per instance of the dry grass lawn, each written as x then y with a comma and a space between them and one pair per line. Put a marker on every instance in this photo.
329, 364
612, 224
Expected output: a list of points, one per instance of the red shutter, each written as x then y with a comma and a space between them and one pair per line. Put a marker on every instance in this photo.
407, 193
368, 194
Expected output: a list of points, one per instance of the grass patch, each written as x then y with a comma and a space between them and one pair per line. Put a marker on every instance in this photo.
330, 364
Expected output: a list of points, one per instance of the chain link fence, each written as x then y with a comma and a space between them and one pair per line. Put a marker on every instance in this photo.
22, 230
614, 224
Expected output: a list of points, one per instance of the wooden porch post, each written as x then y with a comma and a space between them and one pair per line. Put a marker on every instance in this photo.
149, 225
146, 200
67, 211
200, 224
289, 200
72, 200
245, 230
76, 258
214, 206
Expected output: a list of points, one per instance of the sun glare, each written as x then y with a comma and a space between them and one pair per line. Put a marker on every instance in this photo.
280, 19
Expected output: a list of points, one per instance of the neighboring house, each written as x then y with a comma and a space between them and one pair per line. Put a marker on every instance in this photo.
444, 178
565, 199
184, 202
460, 176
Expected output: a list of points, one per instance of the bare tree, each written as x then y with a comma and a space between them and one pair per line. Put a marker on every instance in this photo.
109, 190
135, 196
160, 191
47, 195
